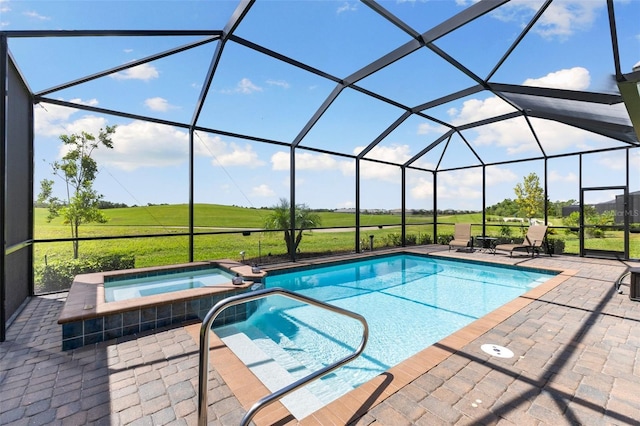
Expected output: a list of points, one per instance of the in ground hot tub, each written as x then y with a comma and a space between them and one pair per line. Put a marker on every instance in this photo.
118, 288
162, 297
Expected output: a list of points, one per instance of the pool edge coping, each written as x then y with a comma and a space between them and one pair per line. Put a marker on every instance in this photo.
85, 299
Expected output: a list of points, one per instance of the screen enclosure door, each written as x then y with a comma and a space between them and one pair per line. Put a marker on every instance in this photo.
604, 224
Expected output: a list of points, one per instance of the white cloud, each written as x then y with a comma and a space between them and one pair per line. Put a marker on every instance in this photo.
54, 120
634, 160
279, 83
421, 188
394, 153
477, 109
143, 72
236, 155
35, 15
325, 162
370, 170
576, 78
226, 153
513, 136
244, 86
464, 196
347, 7
555, 176
158, 104
429, 128
262, 191
144, 144
612, 161
280, 161
462, 185
317, 162
563, 18
557, 137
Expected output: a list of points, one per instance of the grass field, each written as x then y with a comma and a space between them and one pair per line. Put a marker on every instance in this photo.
174, 219
258, 246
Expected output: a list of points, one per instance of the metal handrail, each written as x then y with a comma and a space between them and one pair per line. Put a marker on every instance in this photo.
203, 369
618, 282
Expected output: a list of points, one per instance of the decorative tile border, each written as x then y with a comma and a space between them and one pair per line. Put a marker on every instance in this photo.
120, 324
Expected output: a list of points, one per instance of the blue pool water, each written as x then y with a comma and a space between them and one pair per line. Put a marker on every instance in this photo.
410, 302
131, 288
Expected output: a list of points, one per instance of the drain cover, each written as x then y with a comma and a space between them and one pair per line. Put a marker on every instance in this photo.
495, 350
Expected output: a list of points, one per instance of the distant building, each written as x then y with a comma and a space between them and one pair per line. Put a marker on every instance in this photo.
617, 205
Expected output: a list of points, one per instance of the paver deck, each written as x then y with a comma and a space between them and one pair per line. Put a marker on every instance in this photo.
576, 346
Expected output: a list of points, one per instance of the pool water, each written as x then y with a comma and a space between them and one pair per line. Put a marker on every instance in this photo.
131, 288
410, 302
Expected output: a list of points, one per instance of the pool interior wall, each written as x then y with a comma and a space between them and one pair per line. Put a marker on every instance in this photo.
87, 318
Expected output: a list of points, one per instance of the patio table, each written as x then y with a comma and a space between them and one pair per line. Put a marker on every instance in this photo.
487, 244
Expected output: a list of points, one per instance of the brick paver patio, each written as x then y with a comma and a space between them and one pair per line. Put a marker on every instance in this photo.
577, 361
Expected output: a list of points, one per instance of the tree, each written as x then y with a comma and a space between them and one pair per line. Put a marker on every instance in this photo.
280, 218
78, 169
505, 208
555, 207
595, 224
530, 196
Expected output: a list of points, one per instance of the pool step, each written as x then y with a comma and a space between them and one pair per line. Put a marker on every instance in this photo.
271, 372
299, 362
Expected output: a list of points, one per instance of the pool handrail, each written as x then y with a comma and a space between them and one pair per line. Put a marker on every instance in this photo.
618, 282
205, 330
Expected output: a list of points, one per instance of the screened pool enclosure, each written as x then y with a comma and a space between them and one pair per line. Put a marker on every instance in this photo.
412, 109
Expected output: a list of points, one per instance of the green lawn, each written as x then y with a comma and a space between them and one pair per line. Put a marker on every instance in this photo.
258, 246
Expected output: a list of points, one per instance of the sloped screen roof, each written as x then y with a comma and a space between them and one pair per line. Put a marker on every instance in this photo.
349, 79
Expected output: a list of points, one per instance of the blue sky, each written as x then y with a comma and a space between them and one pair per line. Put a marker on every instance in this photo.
258, 96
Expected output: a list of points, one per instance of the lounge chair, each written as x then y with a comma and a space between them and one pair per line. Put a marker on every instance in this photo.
533, 241
462, 236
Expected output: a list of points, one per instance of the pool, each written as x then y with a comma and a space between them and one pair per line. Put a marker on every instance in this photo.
118, 288
409, 301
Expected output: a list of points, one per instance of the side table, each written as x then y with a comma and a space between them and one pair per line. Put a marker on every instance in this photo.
487, 244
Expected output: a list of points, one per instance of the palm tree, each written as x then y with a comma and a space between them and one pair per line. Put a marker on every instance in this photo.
280, 218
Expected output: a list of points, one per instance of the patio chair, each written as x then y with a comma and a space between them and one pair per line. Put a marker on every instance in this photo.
533, 241
462, 236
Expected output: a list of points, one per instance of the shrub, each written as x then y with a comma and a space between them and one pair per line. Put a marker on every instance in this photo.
424, 239
444, 239
555, 246
59, 275
392, 240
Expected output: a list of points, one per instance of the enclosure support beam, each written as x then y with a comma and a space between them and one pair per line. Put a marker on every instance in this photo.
403, 171
4, 51
435, 207
484, 200
357, 241
191, 193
